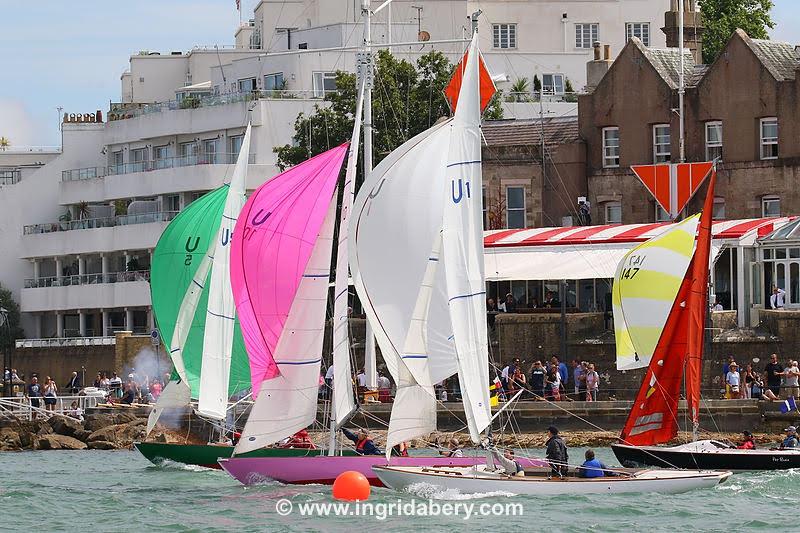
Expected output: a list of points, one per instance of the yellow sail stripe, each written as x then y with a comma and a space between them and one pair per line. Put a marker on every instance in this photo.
647, 284
643, 335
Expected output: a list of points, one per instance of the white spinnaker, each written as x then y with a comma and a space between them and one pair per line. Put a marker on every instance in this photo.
343, 403
176, 394
397, 219
370, 359
646, 284
462, 250
221, 310
288, 402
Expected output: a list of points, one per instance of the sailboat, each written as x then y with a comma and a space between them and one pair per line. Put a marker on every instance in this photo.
406, 228
194, 309
660, 301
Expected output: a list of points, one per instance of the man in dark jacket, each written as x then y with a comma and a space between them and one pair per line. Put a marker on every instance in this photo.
556, 453
363, 442
74, 384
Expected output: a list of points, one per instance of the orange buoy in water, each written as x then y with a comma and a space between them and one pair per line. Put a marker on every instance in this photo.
351, 486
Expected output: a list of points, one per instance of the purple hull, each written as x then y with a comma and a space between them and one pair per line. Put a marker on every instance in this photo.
324, 470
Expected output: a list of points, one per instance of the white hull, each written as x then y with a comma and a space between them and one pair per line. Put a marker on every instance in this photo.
471, 481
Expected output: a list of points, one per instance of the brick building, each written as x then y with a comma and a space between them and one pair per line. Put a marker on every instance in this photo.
743, 109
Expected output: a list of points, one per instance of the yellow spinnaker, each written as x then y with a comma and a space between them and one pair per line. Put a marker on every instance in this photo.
645, 286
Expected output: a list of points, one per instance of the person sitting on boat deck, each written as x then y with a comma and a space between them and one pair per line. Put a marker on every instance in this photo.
364, 444
556, 454
592, 467
748, 443
400, 450
791, 440
453, 449
301, 439
509, 465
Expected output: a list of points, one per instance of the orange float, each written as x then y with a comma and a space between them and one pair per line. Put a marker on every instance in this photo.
351, 486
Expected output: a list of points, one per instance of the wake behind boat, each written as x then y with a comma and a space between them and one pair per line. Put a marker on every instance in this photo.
705, 454
537, 482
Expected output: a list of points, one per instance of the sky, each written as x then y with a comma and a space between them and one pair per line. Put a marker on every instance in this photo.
55, 53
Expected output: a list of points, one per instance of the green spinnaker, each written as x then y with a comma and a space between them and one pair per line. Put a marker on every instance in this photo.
175, 261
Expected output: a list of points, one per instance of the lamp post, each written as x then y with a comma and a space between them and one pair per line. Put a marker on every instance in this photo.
5, 334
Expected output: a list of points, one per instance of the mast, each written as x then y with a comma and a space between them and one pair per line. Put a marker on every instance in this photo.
681, 82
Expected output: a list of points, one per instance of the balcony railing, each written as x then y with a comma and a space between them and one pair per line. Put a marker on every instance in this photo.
10, 177
122, 111
87, 279
93, 223
78, 174
62, 341
176, 162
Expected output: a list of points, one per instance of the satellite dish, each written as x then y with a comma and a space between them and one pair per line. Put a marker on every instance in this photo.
424, 36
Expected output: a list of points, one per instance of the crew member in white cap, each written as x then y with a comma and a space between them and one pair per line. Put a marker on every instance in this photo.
791, 440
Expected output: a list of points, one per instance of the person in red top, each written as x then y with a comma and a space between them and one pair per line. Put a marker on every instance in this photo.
300, 440
749, 443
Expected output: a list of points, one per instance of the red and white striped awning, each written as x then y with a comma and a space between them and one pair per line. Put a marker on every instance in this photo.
583, 252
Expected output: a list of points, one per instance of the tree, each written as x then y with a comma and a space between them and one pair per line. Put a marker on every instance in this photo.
520, 90
4, 143
7, 302
406, 100
722, 17
537, 84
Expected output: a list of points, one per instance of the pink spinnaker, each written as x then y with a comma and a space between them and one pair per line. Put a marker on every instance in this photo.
275, 235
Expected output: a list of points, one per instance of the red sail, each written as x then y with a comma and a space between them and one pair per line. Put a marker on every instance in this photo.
698, 305
654, 416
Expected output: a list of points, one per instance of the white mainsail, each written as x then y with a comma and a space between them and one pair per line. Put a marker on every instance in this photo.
645, 287
288, 402
462, 250
221, 310
343, 403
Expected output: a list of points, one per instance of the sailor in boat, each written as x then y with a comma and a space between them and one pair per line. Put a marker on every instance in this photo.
453, 449
749, 443
556, 453
364, 444
301, 439
791, 440
592, 467
506, 461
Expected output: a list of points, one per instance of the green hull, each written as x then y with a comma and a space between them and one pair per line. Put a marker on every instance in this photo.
207, 455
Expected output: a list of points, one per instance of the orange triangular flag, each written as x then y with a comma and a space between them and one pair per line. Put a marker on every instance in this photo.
487, 85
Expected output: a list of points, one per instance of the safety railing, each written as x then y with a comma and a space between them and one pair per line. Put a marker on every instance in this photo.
87, 279
26, 408
10, 177
94, 223
88, 173
63, 341
213, 158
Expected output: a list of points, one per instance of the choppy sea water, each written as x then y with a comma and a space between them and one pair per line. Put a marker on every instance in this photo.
122, 491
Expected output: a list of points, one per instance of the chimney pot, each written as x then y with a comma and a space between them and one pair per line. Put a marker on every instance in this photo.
607, 52
596, 47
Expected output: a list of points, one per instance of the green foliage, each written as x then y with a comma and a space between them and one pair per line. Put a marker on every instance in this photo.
537, 83
190, 102
7, 301
722, 17
568, 86
406, 100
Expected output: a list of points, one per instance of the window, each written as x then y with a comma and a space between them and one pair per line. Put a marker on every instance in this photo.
769, 138
117, 162
713, 141
210, 151
586, 35
515, 207
719, 208
274, 82
172, 202
504, 35
610, 147
161, 156
661, 214
638, 29
235, 144
661, 143
247, 85
770, 206
138, 160
553, 83
324, 82
187, 153
302, 46
613, 212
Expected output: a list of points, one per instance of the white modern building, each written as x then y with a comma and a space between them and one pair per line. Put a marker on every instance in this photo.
79, 223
